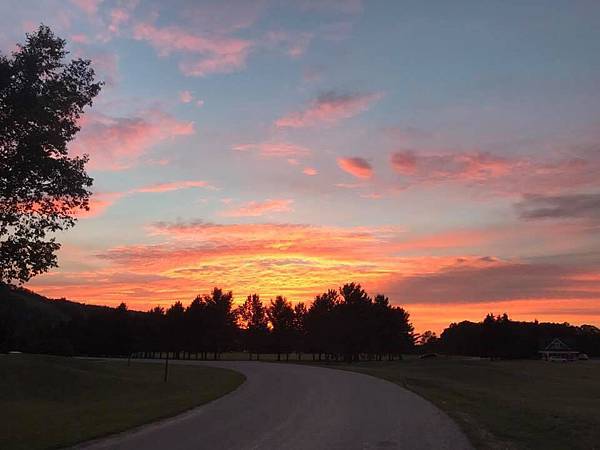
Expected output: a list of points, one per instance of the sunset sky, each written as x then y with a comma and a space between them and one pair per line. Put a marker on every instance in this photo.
444, 153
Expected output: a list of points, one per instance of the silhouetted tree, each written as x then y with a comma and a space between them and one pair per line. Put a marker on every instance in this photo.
299, 329
41, 187
354, 321
197, 326
121, 336
281, 316
154, 332
220, 320
208, 324
175, 329
319, 322
254, 321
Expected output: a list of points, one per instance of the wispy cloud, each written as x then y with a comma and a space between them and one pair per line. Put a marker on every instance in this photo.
117, 143
499, 174
255, 209
275, 149
88, 6
573, 206
440, 167
100, 202
202, 55
294, 44
185, 97
489, 279
173, 186
328, 108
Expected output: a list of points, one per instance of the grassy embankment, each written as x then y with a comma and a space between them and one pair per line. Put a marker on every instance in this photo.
506, 404
49, 402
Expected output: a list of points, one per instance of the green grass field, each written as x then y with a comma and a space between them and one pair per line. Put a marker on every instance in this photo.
506, 404
49, 402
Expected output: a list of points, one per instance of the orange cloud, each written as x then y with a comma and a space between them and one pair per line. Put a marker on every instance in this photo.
310, 171
99, 202
358, 167
116, 143
299, 261
328, 108
255, 209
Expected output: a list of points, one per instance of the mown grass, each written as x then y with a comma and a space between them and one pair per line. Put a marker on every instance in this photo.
50, 402
506, 404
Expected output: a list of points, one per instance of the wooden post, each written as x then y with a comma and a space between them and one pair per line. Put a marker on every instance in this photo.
167, 367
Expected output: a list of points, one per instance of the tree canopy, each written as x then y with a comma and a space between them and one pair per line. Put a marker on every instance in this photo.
42, 187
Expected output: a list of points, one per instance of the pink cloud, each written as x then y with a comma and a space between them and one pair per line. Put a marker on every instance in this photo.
275, 149
310, 171
293, 44
116, 143
200, 103
404, 162
174, 186
80, 38
500, 175
219, 17
255, 209
333, 6
106, 65
203, 55
101, 201
328, 108
185, 97
372, 196
471, 166
88, 6
358, 167
118, 17
490, 279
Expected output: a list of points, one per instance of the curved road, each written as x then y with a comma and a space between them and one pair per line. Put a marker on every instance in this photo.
289, 406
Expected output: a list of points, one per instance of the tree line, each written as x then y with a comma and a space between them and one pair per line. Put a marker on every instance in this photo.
501, 337
345, 324
339, 324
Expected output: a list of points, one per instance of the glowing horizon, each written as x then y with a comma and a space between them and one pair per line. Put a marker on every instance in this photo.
447, 157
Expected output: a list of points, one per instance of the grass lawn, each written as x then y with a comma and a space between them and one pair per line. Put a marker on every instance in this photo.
49, 402
506, 404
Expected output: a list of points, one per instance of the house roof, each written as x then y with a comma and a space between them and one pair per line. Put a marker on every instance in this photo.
557, 345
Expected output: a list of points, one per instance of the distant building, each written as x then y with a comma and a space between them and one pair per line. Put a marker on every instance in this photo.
557, 350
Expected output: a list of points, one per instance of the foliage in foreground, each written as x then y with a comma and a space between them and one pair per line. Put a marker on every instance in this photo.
42, 187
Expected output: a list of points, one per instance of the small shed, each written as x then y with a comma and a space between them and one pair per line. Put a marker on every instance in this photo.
557, 350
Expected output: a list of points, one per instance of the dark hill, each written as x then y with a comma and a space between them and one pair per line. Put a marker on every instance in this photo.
32, 323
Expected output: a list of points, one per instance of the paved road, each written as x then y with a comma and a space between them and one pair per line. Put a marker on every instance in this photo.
287, 406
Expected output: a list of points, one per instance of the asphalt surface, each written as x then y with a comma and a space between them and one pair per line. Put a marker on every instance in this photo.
289, 406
